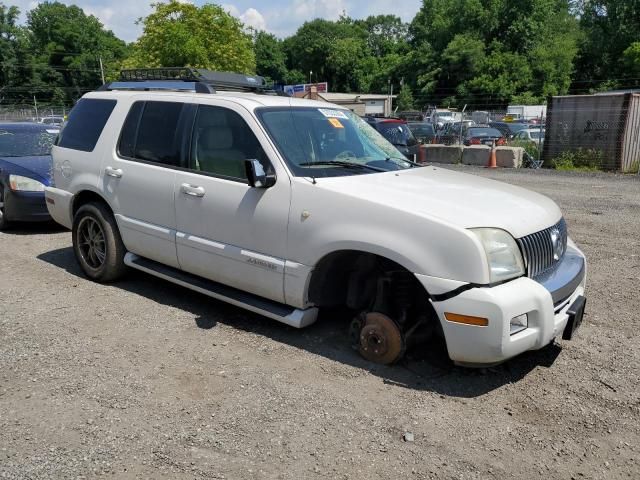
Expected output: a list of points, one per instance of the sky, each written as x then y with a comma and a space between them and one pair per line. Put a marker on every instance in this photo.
280, 17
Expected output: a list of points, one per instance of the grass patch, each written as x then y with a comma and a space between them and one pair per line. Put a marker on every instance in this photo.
579, 160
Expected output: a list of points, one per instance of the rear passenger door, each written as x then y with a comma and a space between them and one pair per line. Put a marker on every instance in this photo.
227, 231
139, 175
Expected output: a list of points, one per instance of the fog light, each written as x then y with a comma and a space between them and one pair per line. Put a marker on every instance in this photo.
519, 323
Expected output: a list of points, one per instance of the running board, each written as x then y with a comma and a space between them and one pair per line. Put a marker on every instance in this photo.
277, 311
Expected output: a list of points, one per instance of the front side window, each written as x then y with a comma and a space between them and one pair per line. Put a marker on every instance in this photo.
86, 122
328, 142
222, 141
151, 132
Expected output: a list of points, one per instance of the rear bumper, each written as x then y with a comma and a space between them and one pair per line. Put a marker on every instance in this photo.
25, 207
494, 343
59, 204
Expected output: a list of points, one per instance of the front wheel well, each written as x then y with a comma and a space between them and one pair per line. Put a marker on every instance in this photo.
350, 278
372, 287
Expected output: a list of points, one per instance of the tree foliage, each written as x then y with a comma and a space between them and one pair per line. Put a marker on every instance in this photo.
490, 51
405, 98
180, 34
609, 28
484, 53
55, 57
270, 57
69, 45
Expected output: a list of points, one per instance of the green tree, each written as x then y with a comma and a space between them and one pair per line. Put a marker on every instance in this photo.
632, 59
386, 34
488, 51
270, 57
16, 61
67, 46
333, 51
609, 27
405, 98
181, 34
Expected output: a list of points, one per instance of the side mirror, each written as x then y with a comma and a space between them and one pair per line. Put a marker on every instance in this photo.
256, 176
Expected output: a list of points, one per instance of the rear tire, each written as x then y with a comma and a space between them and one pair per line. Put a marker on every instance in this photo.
97, 243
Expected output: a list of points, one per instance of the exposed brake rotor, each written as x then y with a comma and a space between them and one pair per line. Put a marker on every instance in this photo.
380, 339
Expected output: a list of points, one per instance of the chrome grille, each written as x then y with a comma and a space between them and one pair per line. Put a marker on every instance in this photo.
538, 249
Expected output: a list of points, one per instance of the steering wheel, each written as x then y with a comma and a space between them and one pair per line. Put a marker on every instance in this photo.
346, 155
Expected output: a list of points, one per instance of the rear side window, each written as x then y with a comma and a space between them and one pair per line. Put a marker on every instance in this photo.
151, 132
86, 122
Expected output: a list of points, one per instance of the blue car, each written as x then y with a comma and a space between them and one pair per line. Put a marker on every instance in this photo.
25, 169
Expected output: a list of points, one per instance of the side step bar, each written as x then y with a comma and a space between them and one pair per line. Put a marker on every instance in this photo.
277, 311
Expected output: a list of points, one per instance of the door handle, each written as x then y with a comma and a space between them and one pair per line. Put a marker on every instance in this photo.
113, 172
192, 190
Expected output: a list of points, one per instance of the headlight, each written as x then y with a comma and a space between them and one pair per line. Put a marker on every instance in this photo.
503, 254
25, 184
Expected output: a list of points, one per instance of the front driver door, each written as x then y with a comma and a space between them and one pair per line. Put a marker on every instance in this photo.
227, 231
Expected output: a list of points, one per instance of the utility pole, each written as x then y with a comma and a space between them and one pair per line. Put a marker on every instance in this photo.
461, 124
101, 70
35, 104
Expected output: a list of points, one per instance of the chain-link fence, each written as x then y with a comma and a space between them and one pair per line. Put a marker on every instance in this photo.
593, 132
30, 113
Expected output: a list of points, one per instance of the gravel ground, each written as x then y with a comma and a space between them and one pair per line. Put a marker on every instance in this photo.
143, 379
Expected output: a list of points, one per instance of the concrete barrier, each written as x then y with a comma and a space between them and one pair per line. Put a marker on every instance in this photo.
441, 153
476, 155
509, 157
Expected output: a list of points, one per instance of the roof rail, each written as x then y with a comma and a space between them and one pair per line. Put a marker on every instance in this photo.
187, 78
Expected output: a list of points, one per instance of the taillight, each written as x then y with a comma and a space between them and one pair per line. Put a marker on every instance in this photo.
475, 141
500, 141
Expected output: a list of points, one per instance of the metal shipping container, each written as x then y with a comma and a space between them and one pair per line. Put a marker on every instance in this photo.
608, 124
630, 161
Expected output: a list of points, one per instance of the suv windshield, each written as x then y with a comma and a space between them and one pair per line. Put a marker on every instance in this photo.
26, 143
329, 142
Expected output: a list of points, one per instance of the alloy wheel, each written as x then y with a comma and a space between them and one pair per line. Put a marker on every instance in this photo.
91, 242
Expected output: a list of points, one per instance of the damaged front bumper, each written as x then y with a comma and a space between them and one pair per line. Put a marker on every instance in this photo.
547, 303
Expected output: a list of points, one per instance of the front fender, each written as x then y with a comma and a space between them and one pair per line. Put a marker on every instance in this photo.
322, 222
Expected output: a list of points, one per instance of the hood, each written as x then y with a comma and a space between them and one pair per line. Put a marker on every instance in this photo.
461, 199
39, 168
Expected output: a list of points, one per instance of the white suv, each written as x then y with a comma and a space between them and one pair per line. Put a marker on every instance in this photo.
285, 206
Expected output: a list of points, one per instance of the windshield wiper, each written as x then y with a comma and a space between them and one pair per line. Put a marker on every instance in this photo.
338, 163
413, 164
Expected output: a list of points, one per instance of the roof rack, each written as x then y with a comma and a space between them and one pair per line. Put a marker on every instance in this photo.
187, 79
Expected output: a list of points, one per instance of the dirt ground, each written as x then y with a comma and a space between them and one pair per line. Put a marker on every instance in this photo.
144, 379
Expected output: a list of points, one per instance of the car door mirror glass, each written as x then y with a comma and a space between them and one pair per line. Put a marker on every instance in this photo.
256, 175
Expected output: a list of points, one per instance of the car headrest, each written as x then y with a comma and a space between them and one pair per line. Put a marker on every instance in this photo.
215, 138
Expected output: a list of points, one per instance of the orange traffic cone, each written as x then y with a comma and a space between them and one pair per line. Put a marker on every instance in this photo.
492, 156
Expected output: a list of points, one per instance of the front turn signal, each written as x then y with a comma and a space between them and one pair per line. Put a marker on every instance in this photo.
466, 319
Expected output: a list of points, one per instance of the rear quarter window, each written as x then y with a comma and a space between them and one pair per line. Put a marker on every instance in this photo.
86, 122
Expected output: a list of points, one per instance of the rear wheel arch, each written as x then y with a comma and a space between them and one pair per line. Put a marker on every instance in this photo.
87, 196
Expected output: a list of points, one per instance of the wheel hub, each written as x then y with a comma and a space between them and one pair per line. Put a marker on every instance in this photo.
380, 339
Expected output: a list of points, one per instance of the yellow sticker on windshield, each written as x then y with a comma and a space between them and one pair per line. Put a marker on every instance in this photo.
335, 122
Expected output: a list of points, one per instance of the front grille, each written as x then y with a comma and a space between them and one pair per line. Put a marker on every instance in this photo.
539, 250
